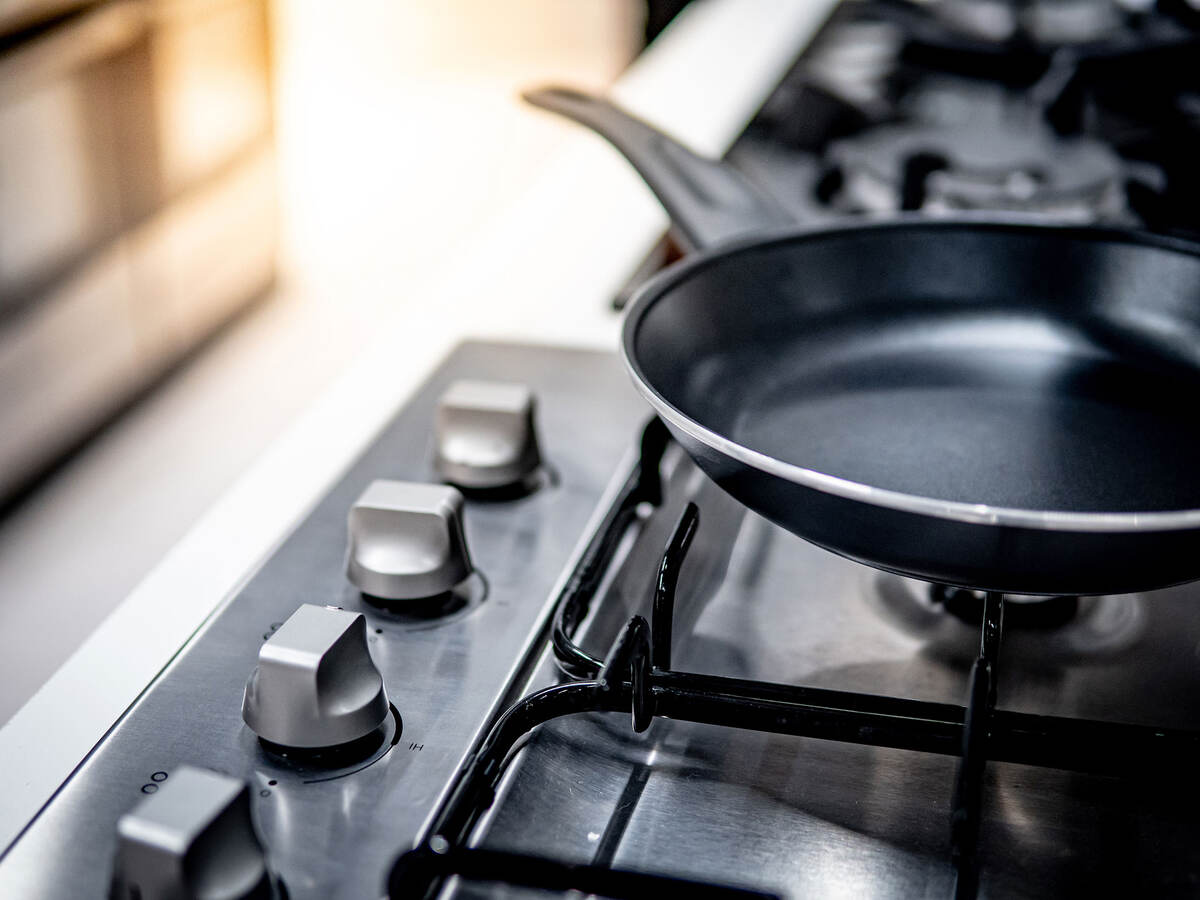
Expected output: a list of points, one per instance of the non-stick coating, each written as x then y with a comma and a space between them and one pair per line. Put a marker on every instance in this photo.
1010, 367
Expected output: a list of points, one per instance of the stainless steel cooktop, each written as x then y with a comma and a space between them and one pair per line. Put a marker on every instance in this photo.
775, 755
447, 665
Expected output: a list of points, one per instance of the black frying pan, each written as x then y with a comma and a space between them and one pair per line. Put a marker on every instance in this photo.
1004, 406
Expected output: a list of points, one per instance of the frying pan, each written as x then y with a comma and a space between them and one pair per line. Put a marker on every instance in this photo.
1000, 405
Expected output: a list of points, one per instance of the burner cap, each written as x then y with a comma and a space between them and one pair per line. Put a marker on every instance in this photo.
1044, 629
1020, 611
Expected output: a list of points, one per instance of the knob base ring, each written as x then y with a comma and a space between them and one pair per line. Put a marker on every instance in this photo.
334, 757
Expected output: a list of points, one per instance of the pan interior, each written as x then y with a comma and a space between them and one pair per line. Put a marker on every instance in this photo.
1003, 425
1056, 402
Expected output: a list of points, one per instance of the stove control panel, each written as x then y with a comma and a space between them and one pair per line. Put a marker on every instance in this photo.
407, 541
485, 435
315, 686
191, 838
278, 708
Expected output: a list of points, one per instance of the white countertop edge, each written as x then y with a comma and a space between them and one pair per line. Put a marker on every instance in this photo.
702, 80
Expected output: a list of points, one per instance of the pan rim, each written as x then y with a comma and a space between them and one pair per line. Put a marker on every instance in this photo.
952, 510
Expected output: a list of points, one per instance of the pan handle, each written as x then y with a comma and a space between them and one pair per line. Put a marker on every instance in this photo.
708, 201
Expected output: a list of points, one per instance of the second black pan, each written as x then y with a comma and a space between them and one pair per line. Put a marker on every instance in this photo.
995, 405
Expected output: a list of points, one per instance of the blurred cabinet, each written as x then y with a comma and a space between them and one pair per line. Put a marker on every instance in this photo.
137, 203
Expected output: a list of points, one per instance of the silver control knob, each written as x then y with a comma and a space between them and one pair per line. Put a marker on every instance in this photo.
406, 540
192, 840
485, 436
315, 685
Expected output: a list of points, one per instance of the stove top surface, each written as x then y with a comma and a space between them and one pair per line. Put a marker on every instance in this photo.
805, 724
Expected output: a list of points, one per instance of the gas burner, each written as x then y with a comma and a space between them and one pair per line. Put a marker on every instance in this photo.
1043, 630
942, 171
1020, 611
1041, 22
1014, 44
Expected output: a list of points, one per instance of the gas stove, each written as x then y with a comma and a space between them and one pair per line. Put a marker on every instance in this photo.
623, 684
1070, 109
524, 647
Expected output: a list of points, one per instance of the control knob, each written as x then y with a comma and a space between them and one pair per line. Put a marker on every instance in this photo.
192, 840
315, 685
485, 436
406, 540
